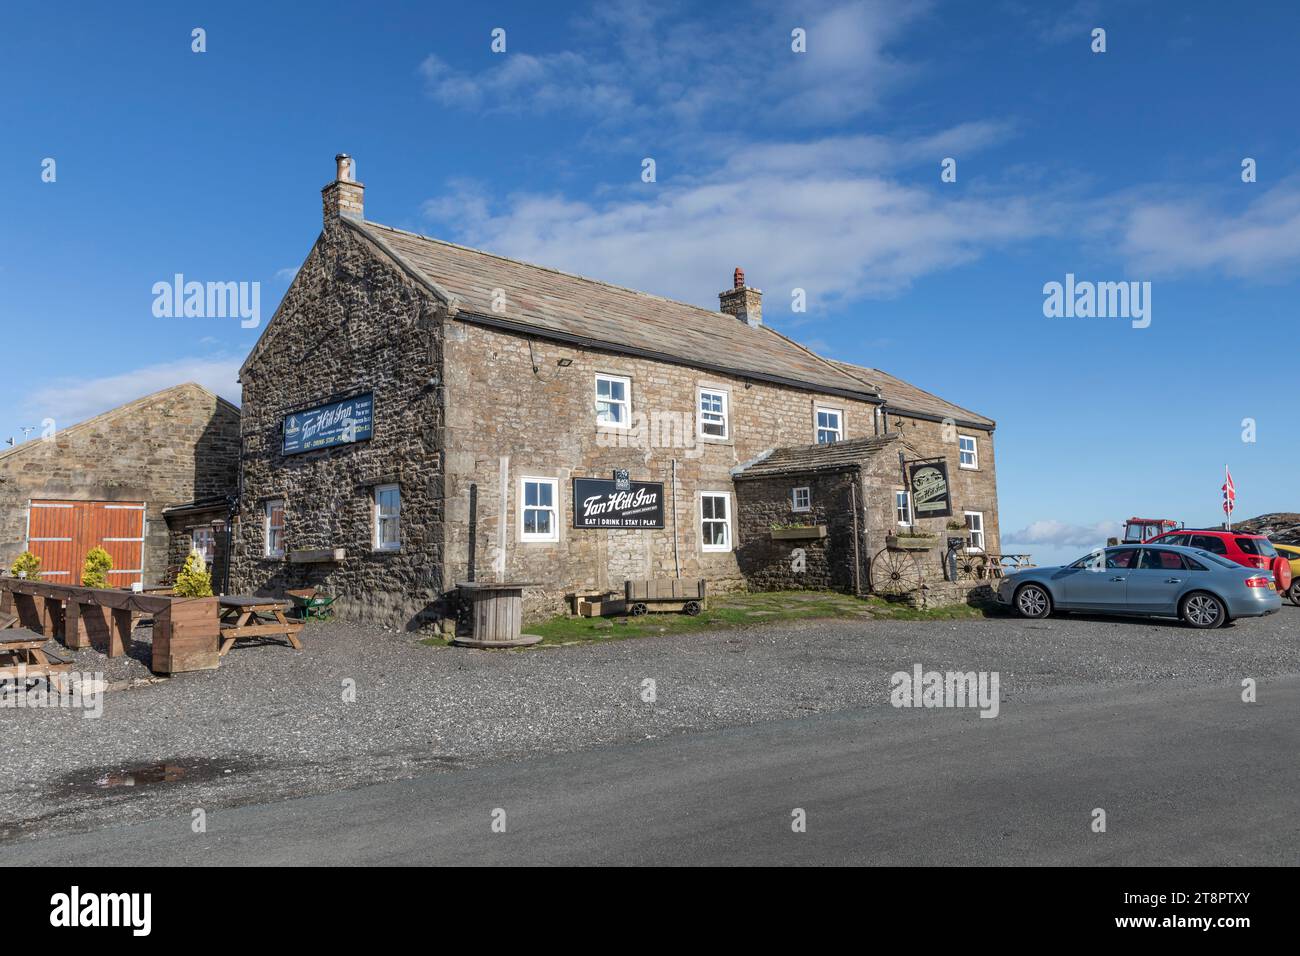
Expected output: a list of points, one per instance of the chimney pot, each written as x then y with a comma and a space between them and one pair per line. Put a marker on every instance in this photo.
345, 197
738, 279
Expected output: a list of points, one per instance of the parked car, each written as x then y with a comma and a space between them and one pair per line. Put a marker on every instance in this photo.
1292, 555
1248, 550
1203, 589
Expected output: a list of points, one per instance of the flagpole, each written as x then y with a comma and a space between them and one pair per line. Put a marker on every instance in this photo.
1227, 500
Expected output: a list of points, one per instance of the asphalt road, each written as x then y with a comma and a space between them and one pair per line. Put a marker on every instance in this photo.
1187, 775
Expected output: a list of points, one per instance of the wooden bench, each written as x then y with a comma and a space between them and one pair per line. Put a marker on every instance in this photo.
243, 616
22, 654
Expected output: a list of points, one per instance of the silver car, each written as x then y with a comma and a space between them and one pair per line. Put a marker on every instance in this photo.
1203, 589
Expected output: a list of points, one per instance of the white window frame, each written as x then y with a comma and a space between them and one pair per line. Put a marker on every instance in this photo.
206, 529
725, 395
267, 507
729, 523
817, 428
976, 534
554, 534
974, 454
626, 402
905, 507
807, 499
377, 536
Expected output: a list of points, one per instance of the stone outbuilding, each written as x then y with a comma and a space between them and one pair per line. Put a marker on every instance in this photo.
107, 482
419, 414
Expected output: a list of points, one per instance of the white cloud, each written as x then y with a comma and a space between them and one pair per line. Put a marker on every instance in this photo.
76, 400
1058, 534
657, 60
823, 216
1260, 241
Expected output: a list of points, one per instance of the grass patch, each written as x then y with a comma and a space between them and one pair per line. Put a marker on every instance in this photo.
736, 610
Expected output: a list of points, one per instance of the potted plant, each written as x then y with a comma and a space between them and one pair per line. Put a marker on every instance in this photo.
27, 566
94, 573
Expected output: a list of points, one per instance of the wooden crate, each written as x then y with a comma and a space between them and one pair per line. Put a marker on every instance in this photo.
664, 589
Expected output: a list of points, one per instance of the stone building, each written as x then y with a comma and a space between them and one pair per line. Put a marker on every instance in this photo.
419, 414
108, 481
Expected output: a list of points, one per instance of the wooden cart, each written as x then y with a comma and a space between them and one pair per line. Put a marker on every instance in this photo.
666, 595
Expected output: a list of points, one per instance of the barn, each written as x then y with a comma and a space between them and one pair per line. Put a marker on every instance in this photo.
106, 482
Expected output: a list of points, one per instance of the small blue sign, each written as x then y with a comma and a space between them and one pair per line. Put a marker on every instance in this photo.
339, 423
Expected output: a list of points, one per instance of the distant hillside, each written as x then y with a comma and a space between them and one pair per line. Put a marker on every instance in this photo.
1282, 527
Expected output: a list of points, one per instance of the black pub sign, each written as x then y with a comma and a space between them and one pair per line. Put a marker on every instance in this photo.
928, 483
617, 503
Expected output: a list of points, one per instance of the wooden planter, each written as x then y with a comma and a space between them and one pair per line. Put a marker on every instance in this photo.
903, 543
797, 534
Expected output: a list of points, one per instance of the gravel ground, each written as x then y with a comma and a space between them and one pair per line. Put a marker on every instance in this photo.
272, 723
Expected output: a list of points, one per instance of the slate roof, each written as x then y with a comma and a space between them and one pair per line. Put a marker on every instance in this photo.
557, 302
808, 459
904, 397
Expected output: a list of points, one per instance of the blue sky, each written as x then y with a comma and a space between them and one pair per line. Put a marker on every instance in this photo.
818, 171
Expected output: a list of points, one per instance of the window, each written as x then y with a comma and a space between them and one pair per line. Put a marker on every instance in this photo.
1125, 558
613, 401
968, 451
1207, 542
801, 499
539, 520
274, 529
1154, 560
713, 413
830, 426
1257, 546
975, 523
388, 518
715, 521
204, 541
903, 508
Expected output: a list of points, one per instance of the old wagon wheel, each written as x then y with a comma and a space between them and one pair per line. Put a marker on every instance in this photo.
636, 610
692, 608
895, 573
969, 566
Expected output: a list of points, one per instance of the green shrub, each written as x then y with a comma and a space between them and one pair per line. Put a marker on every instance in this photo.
194, 580
26, 565
94, 573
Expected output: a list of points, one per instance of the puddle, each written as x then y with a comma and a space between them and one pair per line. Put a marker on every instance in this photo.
135, 777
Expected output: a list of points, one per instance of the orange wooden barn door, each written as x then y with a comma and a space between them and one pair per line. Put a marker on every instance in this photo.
62, 532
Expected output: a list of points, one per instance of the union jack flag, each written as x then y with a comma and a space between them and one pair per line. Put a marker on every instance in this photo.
1229, 492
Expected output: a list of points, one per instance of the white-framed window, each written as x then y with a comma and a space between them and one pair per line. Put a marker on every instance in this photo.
801, 499
830, 425
975, 524
204, 540
613, 401
274, 528
715, 521
969, 451
714, 414
388, 518
539, 512
903, 508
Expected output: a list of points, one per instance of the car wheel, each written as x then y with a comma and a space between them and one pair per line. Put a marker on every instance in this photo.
1033, 601
1202, 610
1293, 593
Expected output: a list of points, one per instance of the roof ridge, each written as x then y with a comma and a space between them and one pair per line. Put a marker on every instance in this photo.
864, 368
551, 269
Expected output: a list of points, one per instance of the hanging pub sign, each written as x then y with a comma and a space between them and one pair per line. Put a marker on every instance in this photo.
338, 423
617, 503
928, 483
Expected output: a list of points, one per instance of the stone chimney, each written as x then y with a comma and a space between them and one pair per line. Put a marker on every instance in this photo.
743, 302
345, 196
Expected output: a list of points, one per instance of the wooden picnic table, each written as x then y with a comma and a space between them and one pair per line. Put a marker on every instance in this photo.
22, 654
249, 616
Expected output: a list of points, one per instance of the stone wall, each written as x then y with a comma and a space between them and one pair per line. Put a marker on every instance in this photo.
165, 449
351, 322
775, 564
180, 535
